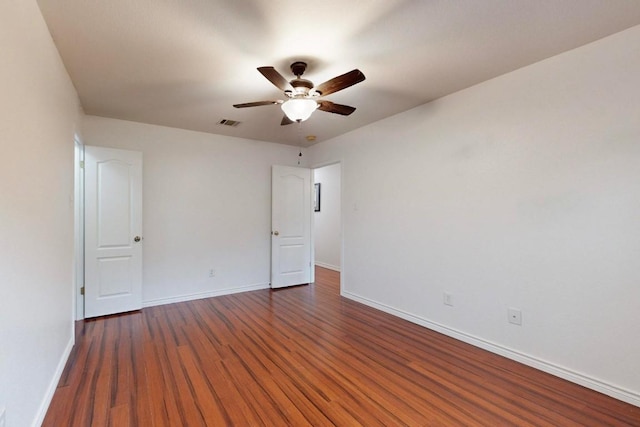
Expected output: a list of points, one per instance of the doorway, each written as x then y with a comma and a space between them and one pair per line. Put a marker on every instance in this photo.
327, 217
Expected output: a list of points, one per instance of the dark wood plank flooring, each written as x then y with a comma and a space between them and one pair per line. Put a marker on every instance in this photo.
303, 356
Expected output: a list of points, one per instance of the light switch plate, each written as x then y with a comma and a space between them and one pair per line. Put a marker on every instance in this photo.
3, 420
447, 299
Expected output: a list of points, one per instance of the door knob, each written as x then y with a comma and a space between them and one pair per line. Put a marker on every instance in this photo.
137, 239
275, 233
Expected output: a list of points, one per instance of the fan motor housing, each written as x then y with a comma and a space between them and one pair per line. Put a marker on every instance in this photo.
300, 86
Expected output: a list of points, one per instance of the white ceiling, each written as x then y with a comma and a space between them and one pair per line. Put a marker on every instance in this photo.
184, 63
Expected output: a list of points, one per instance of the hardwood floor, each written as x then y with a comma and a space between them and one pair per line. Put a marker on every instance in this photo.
303, 356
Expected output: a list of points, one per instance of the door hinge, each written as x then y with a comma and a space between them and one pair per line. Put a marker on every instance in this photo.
81, 164
82, 290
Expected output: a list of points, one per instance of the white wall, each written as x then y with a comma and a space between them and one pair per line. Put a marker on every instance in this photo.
523, 191
326, 223
206, 205
38, 112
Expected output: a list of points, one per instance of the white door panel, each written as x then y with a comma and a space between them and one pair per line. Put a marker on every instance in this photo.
291, 226
113, 221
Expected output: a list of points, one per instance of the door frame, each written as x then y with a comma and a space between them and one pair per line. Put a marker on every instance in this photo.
78, 227
342, 210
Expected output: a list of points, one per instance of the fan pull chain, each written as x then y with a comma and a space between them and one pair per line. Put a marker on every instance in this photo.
300, 135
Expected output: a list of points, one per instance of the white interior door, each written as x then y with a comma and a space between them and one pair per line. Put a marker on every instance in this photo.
290, 226
113, 231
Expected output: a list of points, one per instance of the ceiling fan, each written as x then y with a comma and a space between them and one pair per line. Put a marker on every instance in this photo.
303, 96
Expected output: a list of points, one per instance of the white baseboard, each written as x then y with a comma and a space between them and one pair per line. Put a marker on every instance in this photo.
46, 401
202, 295
559, 371
329, 266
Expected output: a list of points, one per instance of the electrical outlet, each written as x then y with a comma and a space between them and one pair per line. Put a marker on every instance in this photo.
3, 420
212, 273
514, 316
447, 299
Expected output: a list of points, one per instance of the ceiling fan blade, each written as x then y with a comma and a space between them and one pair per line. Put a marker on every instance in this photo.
340, 82
332, 107
286, 121
257, 104
276, 78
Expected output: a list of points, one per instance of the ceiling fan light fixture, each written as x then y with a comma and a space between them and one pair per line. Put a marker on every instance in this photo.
299, 109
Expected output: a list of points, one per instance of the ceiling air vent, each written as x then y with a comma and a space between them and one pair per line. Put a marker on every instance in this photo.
227, 122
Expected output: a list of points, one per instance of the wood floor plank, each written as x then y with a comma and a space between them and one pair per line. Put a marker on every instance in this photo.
119, 416
206, 398
303, 356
